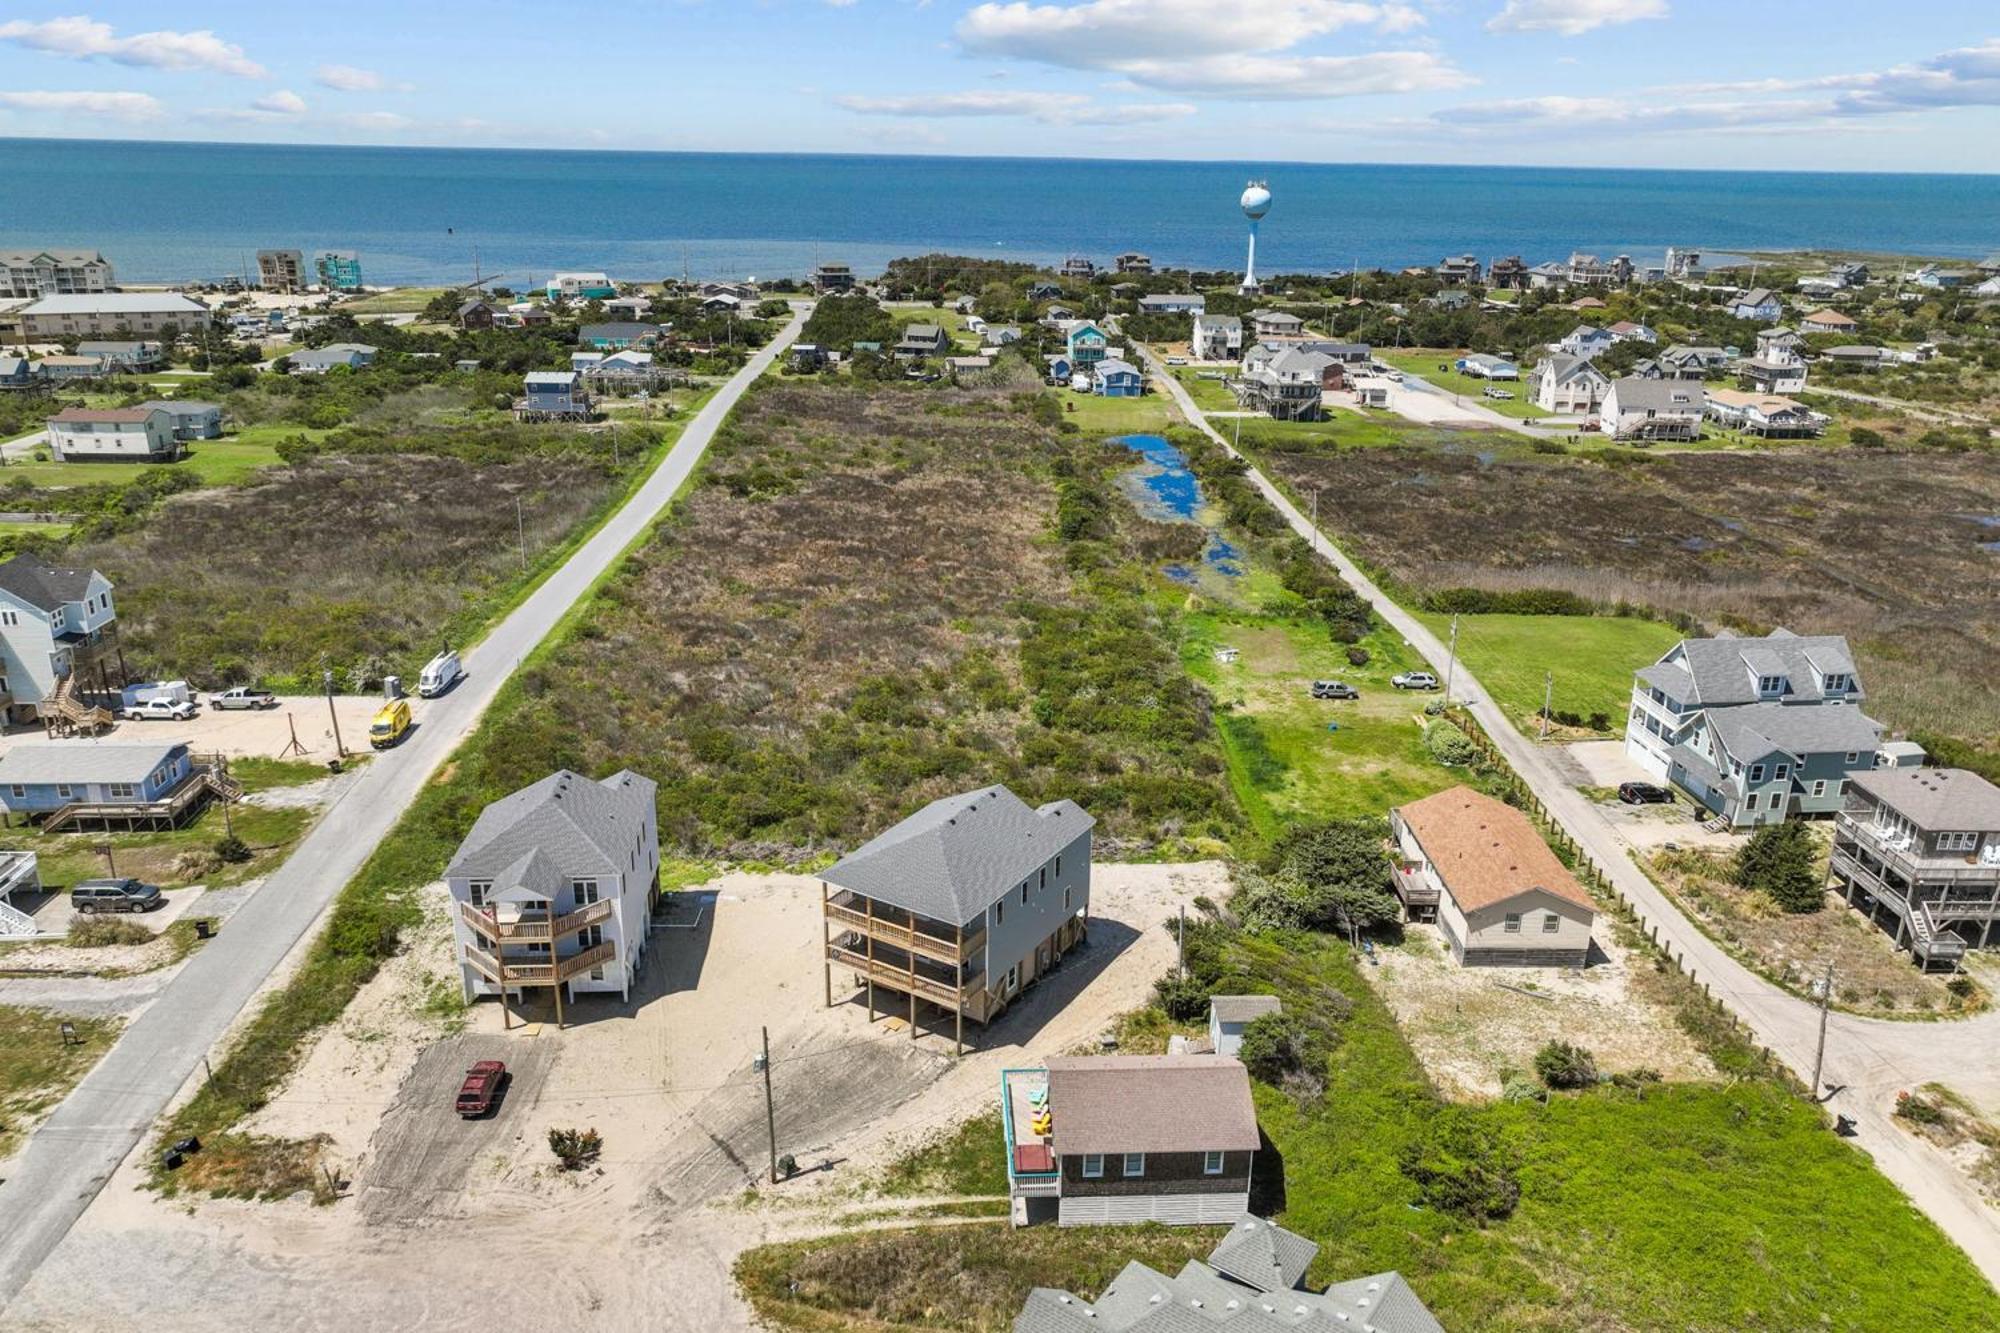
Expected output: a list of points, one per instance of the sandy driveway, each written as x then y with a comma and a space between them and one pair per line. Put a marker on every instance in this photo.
444, 1218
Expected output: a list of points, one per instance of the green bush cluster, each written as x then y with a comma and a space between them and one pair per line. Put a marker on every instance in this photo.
1448, 744
1563, 1065
1782, 861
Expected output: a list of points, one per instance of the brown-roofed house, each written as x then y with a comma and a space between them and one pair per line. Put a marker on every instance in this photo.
1503, 899
1147, 1138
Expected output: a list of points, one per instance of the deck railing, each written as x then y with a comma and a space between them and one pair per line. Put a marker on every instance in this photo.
899, 930
534, 927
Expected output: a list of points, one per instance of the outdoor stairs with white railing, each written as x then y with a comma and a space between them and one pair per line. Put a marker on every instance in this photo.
15, 924
71, 713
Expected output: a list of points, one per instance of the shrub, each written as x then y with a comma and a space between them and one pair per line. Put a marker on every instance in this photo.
1285, 1048
1448, 745
96, 932
231, 849
1561, 1064
1460, 1169
1185, 999
1919, 1109
575, 1148
1357, 655
1781, 861
1865, 438
1340, 872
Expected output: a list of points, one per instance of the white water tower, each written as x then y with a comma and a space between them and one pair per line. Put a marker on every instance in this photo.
1256, 203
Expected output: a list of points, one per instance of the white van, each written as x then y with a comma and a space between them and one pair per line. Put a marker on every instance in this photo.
440, 674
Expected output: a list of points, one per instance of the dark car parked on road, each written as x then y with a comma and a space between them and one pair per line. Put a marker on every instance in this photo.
1644, 793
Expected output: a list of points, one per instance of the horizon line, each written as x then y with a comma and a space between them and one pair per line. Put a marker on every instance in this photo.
1060, 159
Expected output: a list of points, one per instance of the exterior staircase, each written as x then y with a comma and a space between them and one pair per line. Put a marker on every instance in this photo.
66, 711
15, 924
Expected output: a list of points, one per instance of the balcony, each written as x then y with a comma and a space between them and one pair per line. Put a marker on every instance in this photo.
1908, 857
1032, 1169
932, 940
523, 973
1414, 887
537, 927
898, 971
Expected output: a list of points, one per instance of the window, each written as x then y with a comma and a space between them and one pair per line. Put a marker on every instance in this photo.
1513, 923
63, 790
1784, 771
1551, 923
10, 617
1211, 1163
584, 891
1957, 842
123, 789
1750, 801
1065, 899
1819, 787
1008, 982
1093, 1165
1058, 866
1045, 878
999, 912
1854, 756
477, 889
1770, 684
1135, 1165
1024, 893
1756, 772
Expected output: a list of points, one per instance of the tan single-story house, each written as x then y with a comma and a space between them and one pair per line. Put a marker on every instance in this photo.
1503, 899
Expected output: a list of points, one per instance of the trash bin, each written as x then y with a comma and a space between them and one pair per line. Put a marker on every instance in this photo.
204, 928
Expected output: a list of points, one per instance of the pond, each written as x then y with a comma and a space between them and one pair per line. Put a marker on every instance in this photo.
1163, 487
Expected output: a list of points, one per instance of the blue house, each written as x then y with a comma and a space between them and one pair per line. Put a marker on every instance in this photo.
618, 335
339, 271
1117, 379
1759, 303
1060, 368
1087, 345
40, 778
552, 395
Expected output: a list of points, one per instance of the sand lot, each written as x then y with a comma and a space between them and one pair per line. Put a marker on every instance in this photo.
1471, 1025
443, 1218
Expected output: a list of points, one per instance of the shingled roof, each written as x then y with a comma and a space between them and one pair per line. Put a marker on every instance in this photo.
42, 585
1485, 851
580, 826
1725, 670
1151, 1103
1938, 799
1261, 1254
952, 859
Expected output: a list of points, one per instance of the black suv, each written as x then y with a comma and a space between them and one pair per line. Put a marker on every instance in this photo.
1644, 793
115, 895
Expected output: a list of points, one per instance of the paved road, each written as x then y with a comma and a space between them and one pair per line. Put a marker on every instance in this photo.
1871, 1058
75, 1151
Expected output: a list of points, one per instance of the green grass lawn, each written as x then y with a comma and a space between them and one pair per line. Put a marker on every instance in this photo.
38, 1068
217, 462
1093, 415
1425, 363
1284, 763
1592, 658
171, 859
1209, 394
396, 301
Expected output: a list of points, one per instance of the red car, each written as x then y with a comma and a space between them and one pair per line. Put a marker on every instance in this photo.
481, 1087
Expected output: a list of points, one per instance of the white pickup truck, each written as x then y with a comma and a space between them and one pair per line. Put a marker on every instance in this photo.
242, 696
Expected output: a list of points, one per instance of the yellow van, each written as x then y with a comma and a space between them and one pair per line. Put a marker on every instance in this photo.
390, 724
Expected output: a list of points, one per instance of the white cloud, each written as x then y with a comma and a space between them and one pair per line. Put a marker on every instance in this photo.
81, 38
118, 106
284, 102
1214, 48
1049, 108
1571, 18
1100, 34
1297, 78
374, 120
353, 79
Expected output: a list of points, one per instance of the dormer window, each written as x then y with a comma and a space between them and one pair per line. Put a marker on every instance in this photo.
1839, 683
1770, 684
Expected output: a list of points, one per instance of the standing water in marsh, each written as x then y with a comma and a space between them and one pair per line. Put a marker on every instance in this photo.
1162, 487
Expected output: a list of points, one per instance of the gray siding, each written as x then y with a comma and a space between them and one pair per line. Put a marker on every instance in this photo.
1015, 927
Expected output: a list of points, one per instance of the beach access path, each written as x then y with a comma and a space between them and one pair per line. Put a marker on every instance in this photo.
1868, 1059
74, 1152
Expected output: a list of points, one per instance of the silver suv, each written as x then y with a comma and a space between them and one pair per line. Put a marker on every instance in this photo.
115, 895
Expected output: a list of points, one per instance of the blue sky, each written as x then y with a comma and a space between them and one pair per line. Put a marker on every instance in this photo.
1785, 84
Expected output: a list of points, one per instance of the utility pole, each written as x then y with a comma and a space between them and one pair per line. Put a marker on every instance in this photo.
339, 747
1315, 514
770, 1107
1181, 943
521, 532
1819, 1054
1451, 661
1548, 700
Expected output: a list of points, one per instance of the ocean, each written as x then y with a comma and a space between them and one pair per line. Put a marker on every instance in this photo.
176, 212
